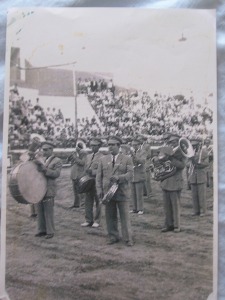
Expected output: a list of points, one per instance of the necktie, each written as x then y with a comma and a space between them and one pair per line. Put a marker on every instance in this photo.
113, 161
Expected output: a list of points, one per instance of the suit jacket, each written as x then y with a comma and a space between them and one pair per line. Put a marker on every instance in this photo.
198, 174
175, 182
78, 164
93, 163
54, 166
123, 168
139, 166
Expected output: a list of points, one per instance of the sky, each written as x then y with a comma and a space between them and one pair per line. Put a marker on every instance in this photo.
140, 47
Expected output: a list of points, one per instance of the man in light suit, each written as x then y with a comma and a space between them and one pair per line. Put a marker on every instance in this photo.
116, 168
91, 197
172, 185
198, 177
138, 179
51, 170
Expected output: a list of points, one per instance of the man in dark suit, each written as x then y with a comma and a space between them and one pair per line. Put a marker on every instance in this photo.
91, 196
116, 168
172, 185
198, 177
138, 179
77, 160
51, 169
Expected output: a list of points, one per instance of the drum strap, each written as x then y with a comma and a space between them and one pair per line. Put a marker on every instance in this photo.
92, 158
49, 161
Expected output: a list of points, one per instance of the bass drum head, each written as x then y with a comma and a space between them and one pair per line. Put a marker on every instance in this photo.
27, 184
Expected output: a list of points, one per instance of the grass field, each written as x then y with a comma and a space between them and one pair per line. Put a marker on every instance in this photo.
77, 263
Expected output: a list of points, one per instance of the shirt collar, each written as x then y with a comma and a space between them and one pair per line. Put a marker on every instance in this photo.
115, 156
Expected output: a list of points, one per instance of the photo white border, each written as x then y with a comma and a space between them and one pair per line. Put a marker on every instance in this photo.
217, 189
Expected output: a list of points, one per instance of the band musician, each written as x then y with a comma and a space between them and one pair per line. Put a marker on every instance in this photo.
209, 170
91, 196
198, 177
148, 155
117, 168
138, 178
77, 160
51, 169
172, 186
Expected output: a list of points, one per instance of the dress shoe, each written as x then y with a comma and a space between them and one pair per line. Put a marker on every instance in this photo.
202, 215
176, 229
195, 214
49, 236
129, 244
33, 216
133, 211
95, 225
111, 242
39, 234
86, 224
74, 206
140, 212
166, 229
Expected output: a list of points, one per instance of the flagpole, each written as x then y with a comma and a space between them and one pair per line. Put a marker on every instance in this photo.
75, 98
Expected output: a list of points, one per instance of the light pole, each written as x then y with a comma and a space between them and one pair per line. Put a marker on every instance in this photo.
75, 98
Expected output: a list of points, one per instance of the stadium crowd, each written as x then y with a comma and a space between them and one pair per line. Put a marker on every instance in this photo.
118, 111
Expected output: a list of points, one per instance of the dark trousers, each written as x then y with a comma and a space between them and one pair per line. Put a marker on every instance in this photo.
91, 198
112, 220
171, 201
199, 197
77, 196
46, 216
137, 189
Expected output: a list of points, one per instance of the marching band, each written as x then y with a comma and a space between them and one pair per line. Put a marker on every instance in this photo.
119, 178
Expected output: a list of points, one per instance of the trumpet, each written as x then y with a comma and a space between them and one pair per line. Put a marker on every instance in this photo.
33, 151
74, 155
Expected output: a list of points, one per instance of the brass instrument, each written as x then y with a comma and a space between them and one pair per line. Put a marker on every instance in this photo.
161, 170
134, 159
162, 167
192, 165
34, 151
72, 157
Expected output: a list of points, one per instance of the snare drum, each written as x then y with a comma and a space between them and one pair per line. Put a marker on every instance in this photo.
26, 184
111, 192
85, 184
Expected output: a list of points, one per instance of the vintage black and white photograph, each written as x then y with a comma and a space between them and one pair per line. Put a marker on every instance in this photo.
110, 143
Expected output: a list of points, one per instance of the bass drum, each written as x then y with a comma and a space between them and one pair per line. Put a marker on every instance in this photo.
26, 184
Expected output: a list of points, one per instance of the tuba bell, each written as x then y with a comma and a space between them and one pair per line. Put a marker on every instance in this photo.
185, 147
